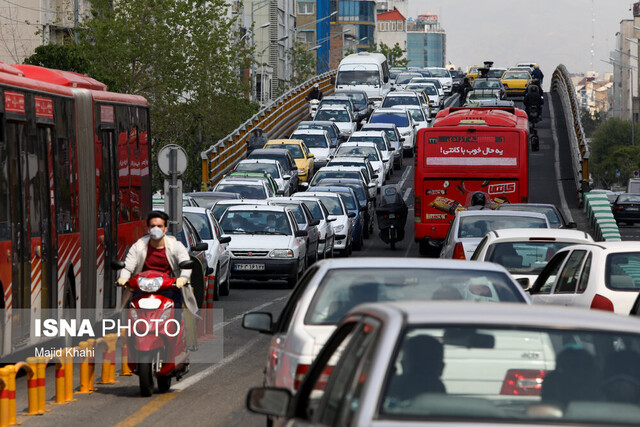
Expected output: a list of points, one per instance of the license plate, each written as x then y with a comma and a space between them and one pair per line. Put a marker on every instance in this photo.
248, 267
632, 209
392, 216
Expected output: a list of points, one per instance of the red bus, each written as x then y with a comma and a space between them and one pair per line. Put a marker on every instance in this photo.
468, 150
75, 190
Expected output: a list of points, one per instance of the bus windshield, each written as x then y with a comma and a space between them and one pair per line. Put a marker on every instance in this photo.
358, 77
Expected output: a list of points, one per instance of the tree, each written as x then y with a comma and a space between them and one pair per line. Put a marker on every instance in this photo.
304, 63
611, 149
184, 56
394, 55
590, 121
66, 57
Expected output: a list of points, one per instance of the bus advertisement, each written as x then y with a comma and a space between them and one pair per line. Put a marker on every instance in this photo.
468, 150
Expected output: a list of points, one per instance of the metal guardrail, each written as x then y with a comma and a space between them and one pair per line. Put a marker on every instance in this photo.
563, 87
598, 212
277, 120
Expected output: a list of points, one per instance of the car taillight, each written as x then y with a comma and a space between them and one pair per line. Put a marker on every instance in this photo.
458, 251
618, 208
320, 384
601, 303
523, 382
417, 209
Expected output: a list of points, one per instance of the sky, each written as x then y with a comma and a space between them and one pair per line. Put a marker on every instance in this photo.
549, 32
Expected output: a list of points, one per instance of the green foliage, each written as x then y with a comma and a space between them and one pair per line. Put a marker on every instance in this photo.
304, 63
66, 57
611, 149
394, 54
590, 121
184, 57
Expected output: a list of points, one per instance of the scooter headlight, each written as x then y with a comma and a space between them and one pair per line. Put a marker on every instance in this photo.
147, 284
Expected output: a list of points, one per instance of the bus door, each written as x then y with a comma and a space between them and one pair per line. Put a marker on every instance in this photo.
107, 168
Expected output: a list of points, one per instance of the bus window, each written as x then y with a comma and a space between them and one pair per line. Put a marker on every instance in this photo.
124, 208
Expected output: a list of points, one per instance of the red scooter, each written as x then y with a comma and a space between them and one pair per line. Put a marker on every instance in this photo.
156, 340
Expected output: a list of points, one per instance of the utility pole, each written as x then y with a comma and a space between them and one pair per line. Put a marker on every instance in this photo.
75, 20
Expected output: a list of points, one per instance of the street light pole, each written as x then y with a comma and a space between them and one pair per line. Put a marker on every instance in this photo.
612, 61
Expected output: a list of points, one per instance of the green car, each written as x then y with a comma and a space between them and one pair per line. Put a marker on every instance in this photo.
262, 175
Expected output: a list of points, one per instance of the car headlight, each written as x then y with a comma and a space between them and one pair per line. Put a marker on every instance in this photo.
302, 171
338, 228
147, 284
281, 253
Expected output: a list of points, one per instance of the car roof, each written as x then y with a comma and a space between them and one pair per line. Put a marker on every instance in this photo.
491, 212
273, 151
253, 207
358, 144
402, 93
340, 167
336, 97
524, 234
284, 142
627, 246
242, 181
214, 194
333, 107
379, 125
309, 132
314, 122
506, 314
241, 202
368, 133
333, 189
254, 161
350, 159
389, 110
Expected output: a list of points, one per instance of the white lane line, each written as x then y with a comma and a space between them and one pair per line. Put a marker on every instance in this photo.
182, 385
407, 194
563, 201
405, 176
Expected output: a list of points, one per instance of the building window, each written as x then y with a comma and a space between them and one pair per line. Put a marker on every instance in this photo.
307, 37
306, 8
393, 26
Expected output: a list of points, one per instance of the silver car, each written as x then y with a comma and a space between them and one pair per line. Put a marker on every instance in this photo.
467, 364
331, 288
327, 235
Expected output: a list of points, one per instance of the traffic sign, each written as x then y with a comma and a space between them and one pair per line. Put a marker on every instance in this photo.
636, 174
164, 159
617, 173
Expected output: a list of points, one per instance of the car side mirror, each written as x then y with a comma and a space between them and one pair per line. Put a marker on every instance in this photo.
286, 177
301, 233
524, 282
201, 246
268, 401
572, 225
314, 222
187, 265
372, 184
392, 88
224, 239
429, 120
311, 155
332, 80
280, 193
402, 139
258, 321
351, 214
331, 219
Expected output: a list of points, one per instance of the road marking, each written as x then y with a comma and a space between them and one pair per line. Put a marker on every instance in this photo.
563, 201
405, 176
407, 194
148, 409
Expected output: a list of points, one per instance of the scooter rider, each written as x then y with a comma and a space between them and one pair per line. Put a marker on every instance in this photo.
537, 73
315, 93
533, 97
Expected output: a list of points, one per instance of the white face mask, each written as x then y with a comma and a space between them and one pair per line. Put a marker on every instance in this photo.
156, 233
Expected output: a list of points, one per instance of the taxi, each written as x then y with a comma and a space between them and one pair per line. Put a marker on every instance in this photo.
300, 153
472, 73
516, 81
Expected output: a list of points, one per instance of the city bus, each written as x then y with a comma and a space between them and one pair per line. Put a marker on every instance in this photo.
75, 190
468, 150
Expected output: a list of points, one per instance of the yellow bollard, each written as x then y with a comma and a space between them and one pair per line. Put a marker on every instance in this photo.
126, 372
67, 362
86, 366
4, 397
59, 382
41, 367
31, 366
110, 358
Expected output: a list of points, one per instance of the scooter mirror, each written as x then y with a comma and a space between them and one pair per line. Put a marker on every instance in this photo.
116, 264
187, 265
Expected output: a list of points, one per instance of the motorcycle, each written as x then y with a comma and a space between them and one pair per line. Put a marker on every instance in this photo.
535, 141
391, 214
161, 350
313, 108
533, 112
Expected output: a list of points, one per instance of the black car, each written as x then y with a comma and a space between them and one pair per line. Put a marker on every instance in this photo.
331, 128
626, 208
363, 198
457, 77
283, 156
362, 103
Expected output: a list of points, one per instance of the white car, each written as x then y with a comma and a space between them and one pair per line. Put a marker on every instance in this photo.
362, 162
403, 121
602, 275
220, 207
218, 255
402, 79
381, 140
343, 223
272, 167
435, 100
327, 293
393, 135
325, 227
434, 82
346, 172
469, 227
340, 115
305, 221
246, 187
444, 76
524, 252
371, 152
419, 117
266, 243
319, 144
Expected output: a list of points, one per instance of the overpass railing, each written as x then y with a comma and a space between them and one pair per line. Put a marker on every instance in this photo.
277, 120
598, 212
563, 88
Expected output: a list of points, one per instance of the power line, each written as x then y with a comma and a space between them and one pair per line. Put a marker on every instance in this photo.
31, 8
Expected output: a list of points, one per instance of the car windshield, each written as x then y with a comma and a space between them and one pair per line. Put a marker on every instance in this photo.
487, 84
358, 77
358, 99
406, 78
478, 226
312, 141
495, 73
368, 152
246, 191
343, 289
439, 72
392, 101
331, 203
550, 213
330, 129
208, 201
428, 88
623, 271
256, 222
359, 190
320, 175
516, 75
219, 210
470, 373
333, 115
295, 208
435, 82
399, 119
269, 168
201, 223
454, 73
293, 149
348, 201
417, 114
483, 94
377, 139
528, 257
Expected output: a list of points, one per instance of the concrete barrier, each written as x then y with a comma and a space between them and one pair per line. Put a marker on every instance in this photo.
600, 217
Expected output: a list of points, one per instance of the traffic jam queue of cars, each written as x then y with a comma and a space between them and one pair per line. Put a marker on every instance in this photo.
483, 335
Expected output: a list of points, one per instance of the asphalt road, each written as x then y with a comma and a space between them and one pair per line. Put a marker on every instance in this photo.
214, 395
